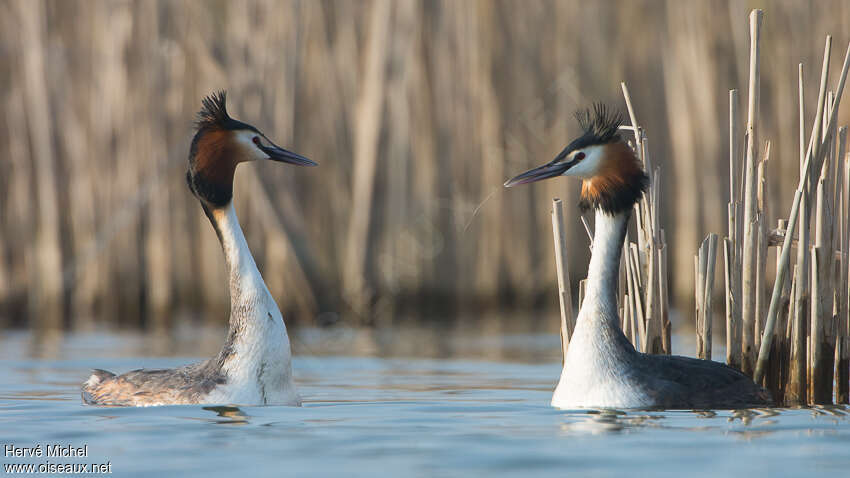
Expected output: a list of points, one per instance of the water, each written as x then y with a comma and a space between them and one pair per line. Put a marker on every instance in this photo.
391, 408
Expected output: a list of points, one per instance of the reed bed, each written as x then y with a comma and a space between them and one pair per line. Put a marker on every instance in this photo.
417, 111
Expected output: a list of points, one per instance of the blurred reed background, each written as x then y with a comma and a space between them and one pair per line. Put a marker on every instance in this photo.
417, 111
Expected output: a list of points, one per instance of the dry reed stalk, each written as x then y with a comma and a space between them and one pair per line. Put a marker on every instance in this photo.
633, 304
654, 325
846, 244
708, 316
425, 168
638, 290
777, 374
627, 296
83, 282
395, 267
369, 115
734, 155
840, 307
699, 297
818, 128
634, 255
822, 354
46, 288
750, 241
823, 323
562, 269
786, 353
704, 265
731, 245
761, 253
799, 366
582, 288
649, 252
667, 327
732, 339
786, 249
158, 238
699, 277
622, 278
655, 319
489, 247
126, 266
796, 391
16, 205
628, 326
842, 371
588, 232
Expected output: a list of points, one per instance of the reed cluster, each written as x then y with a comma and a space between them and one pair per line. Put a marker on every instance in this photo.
794, 340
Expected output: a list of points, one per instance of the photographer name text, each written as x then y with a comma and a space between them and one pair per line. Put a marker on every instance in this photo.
46, 450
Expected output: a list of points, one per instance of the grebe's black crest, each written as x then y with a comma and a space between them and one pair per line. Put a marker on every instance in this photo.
213, 114
213, 111
600, 126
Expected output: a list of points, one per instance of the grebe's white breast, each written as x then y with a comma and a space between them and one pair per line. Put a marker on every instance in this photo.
256, 360
603, 370
254, 366
598, 369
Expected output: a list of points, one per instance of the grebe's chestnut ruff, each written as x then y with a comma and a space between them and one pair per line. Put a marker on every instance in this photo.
602, 369
254, 366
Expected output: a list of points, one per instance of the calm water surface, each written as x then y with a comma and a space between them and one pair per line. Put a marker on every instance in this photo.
389, 407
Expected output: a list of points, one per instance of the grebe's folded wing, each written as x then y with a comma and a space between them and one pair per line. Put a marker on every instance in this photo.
150, 386
685, 382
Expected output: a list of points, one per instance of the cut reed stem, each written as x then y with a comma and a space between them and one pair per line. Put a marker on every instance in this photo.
562, 269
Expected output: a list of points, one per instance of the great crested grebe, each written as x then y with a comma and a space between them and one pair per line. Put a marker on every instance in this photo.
254, 366
602, 369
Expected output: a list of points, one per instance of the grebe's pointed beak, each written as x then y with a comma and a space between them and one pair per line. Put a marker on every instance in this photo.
276, 153
548, 170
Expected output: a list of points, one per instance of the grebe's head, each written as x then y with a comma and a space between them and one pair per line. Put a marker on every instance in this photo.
220, 144
612, 177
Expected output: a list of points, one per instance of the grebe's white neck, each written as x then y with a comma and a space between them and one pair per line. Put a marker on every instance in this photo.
604, 268
600, 363
256, 359
245, 278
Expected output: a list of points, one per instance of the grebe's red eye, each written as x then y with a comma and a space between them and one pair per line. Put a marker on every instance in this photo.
257, 140
579, 156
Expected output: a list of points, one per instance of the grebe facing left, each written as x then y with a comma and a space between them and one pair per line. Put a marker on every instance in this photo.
254, 366
602, 369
